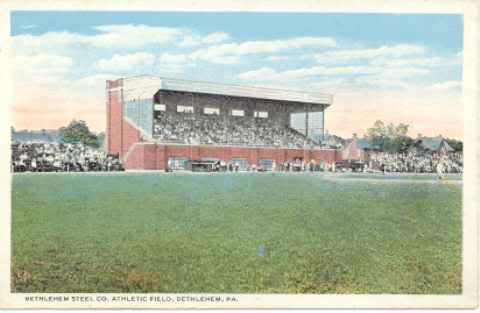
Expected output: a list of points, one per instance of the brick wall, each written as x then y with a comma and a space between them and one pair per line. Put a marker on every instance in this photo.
150, 156
120, 134
136, 158
114, 121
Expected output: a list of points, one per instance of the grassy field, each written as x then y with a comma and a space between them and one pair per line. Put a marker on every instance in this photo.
246, 233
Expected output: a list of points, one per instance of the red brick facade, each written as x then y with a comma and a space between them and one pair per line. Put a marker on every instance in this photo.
114, 118
121, 135
151, 156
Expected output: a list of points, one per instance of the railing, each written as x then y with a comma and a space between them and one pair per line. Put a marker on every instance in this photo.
235, 145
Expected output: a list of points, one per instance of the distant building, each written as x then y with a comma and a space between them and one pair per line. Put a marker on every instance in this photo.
434, 145
357, 150
39, 136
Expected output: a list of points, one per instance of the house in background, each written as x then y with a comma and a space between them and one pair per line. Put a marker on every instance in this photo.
357, 150
434, 145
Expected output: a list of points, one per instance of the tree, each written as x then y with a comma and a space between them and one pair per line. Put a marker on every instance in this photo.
400, 144
101, 139
78, 132
390, 138
457, 145
377, 135
401, 130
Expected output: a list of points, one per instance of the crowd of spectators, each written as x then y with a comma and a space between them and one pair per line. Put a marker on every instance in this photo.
296, 165
58, 157
227, 130
416, 162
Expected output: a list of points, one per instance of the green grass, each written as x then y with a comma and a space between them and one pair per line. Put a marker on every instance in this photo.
156, 232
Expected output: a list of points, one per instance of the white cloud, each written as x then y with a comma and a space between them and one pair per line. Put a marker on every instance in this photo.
229, 59
133, 36
29, 26
422, 62
391, 77
386, 79
229, 52
95, 80
170, 68
190, 40
126, 36
173, 58
277, 58
41, 69
38, 62
382, 67
269, 74
110, 36
52, 40
394, 51
171, 63
446, 85
126, 62
215, 38
262, 74
187, 59
369, 75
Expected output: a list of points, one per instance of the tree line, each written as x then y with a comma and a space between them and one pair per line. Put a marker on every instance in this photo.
390, 138
394, 139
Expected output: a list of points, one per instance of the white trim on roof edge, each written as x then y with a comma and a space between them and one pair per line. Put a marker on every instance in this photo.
146, 86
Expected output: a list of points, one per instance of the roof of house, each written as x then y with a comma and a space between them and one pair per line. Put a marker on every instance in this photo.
363, 143
433, 144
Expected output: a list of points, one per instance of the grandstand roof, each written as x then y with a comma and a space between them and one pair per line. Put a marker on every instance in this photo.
146, 85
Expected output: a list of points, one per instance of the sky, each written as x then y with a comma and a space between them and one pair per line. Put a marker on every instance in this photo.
398, 68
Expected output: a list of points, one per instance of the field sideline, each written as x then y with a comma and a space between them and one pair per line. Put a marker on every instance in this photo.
248, 232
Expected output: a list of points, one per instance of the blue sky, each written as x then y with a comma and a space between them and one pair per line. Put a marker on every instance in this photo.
369, 56
435, 30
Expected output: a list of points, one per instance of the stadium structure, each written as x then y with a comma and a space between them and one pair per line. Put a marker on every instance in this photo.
156, 123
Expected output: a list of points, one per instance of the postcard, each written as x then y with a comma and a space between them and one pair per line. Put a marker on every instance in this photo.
307, 154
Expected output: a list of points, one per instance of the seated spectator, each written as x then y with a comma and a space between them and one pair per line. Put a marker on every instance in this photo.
46, 157
226, 130
415, 162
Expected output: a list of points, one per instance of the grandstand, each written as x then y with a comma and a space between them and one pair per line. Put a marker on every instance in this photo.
160, 123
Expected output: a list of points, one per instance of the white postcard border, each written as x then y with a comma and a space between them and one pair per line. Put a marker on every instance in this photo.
469, 296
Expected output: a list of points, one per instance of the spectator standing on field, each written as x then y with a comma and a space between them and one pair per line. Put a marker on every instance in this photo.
440, 169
